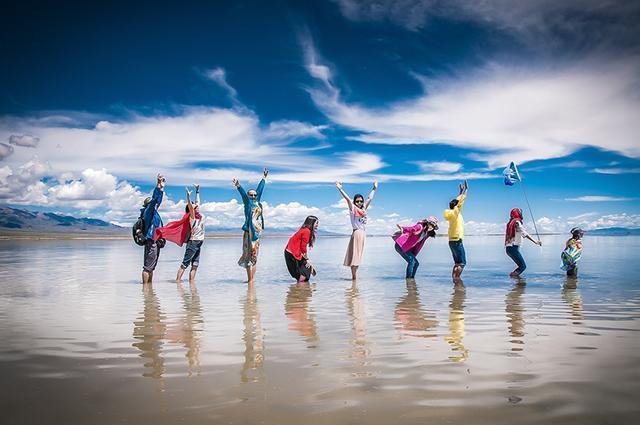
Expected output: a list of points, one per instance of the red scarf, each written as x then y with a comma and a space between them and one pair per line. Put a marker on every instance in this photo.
516, 216
175, 231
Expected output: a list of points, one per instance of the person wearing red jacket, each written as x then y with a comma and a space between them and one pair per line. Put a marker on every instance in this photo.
295, 254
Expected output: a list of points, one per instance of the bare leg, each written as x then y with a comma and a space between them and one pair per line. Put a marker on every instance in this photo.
249, 274
252, 273
146, 277
192, 274
354, 272
457, 271
180, 273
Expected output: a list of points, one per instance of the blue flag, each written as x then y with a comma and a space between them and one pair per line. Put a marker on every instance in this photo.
511, 175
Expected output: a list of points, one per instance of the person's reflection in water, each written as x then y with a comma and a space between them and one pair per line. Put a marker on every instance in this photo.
411, 317
456, 323
571, 295
149, 330
296, 308
514, 310
358, 317
191, 326
253, 338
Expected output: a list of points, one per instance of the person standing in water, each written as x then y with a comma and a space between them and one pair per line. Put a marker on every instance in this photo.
572, 252
196, 237
252, 227
456, 231
410, 240
513, 239
296, 254
152, 220
358, 213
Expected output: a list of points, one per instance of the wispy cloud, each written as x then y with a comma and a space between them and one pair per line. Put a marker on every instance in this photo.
500, 112
596, 198
219, 76
438, 166
616, 170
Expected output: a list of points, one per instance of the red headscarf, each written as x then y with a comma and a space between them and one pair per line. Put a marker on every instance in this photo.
515, 216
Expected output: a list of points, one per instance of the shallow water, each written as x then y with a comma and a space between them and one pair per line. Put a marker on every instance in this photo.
83, 340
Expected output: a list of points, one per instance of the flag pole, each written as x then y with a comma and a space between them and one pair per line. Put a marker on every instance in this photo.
529, 206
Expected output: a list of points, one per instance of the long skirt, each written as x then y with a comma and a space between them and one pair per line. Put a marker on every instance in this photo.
250, 251
353, 257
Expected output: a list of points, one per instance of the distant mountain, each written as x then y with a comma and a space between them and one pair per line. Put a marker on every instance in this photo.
16, 222
615, 231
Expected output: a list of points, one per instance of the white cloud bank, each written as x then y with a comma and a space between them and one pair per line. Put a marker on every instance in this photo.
598, 198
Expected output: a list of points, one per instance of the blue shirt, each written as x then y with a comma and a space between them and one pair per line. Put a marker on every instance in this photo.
150, 213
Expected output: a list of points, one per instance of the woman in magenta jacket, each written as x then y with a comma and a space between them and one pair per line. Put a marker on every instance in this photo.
410, 240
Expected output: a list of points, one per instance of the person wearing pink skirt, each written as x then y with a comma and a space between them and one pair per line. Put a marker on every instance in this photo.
358, 214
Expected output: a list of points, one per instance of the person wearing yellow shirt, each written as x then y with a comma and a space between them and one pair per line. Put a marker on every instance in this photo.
456, 231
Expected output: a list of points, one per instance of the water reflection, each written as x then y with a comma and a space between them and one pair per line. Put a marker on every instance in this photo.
253, 338
571, 295
190, 326
149, 330
358, 318
297, 310
515, 311
456, 323
410, 315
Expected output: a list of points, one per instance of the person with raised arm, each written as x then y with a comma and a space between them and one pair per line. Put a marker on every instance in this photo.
253, 225
513, 239
152, 220
453, 215
195, 237
358, 214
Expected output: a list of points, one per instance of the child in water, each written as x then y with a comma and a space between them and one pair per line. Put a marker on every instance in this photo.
572, 252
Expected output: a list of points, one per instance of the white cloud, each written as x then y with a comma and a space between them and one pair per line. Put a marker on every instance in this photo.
616, 170
597, 198
503, 112
438, 166
219, 76
293, 129
25, 140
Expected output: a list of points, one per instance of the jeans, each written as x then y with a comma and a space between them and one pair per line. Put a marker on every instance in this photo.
514, 253
412, 262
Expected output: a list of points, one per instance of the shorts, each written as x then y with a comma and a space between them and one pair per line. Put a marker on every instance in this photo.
151, 255
457, 250
192, 254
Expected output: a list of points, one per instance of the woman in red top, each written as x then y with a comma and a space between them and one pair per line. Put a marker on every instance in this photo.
295, 254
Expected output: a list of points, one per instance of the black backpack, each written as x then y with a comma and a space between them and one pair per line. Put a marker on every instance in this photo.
138, 231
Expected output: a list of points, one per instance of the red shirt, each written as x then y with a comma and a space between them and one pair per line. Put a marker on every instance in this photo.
297, 245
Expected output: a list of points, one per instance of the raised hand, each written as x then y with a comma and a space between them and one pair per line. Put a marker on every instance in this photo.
375, 185
235, 182
339, 185
265, 172
197, 186
160, 180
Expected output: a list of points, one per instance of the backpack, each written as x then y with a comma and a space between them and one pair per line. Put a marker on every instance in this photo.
138, 232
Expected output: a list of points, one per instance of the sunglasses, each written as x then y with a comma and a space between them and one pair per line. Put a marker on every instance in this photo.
252, 195
359, 201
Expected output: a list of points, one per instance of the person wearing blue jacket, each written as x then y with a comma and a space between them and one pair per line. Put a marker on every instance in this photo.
252, 227
152, 220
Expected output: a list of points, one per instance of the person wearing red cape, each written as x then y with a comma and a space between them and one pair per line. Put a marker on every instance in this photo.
189, 229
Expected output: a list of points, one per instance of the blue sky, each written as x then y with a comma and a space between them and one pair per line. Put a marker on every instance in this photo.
416, 94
